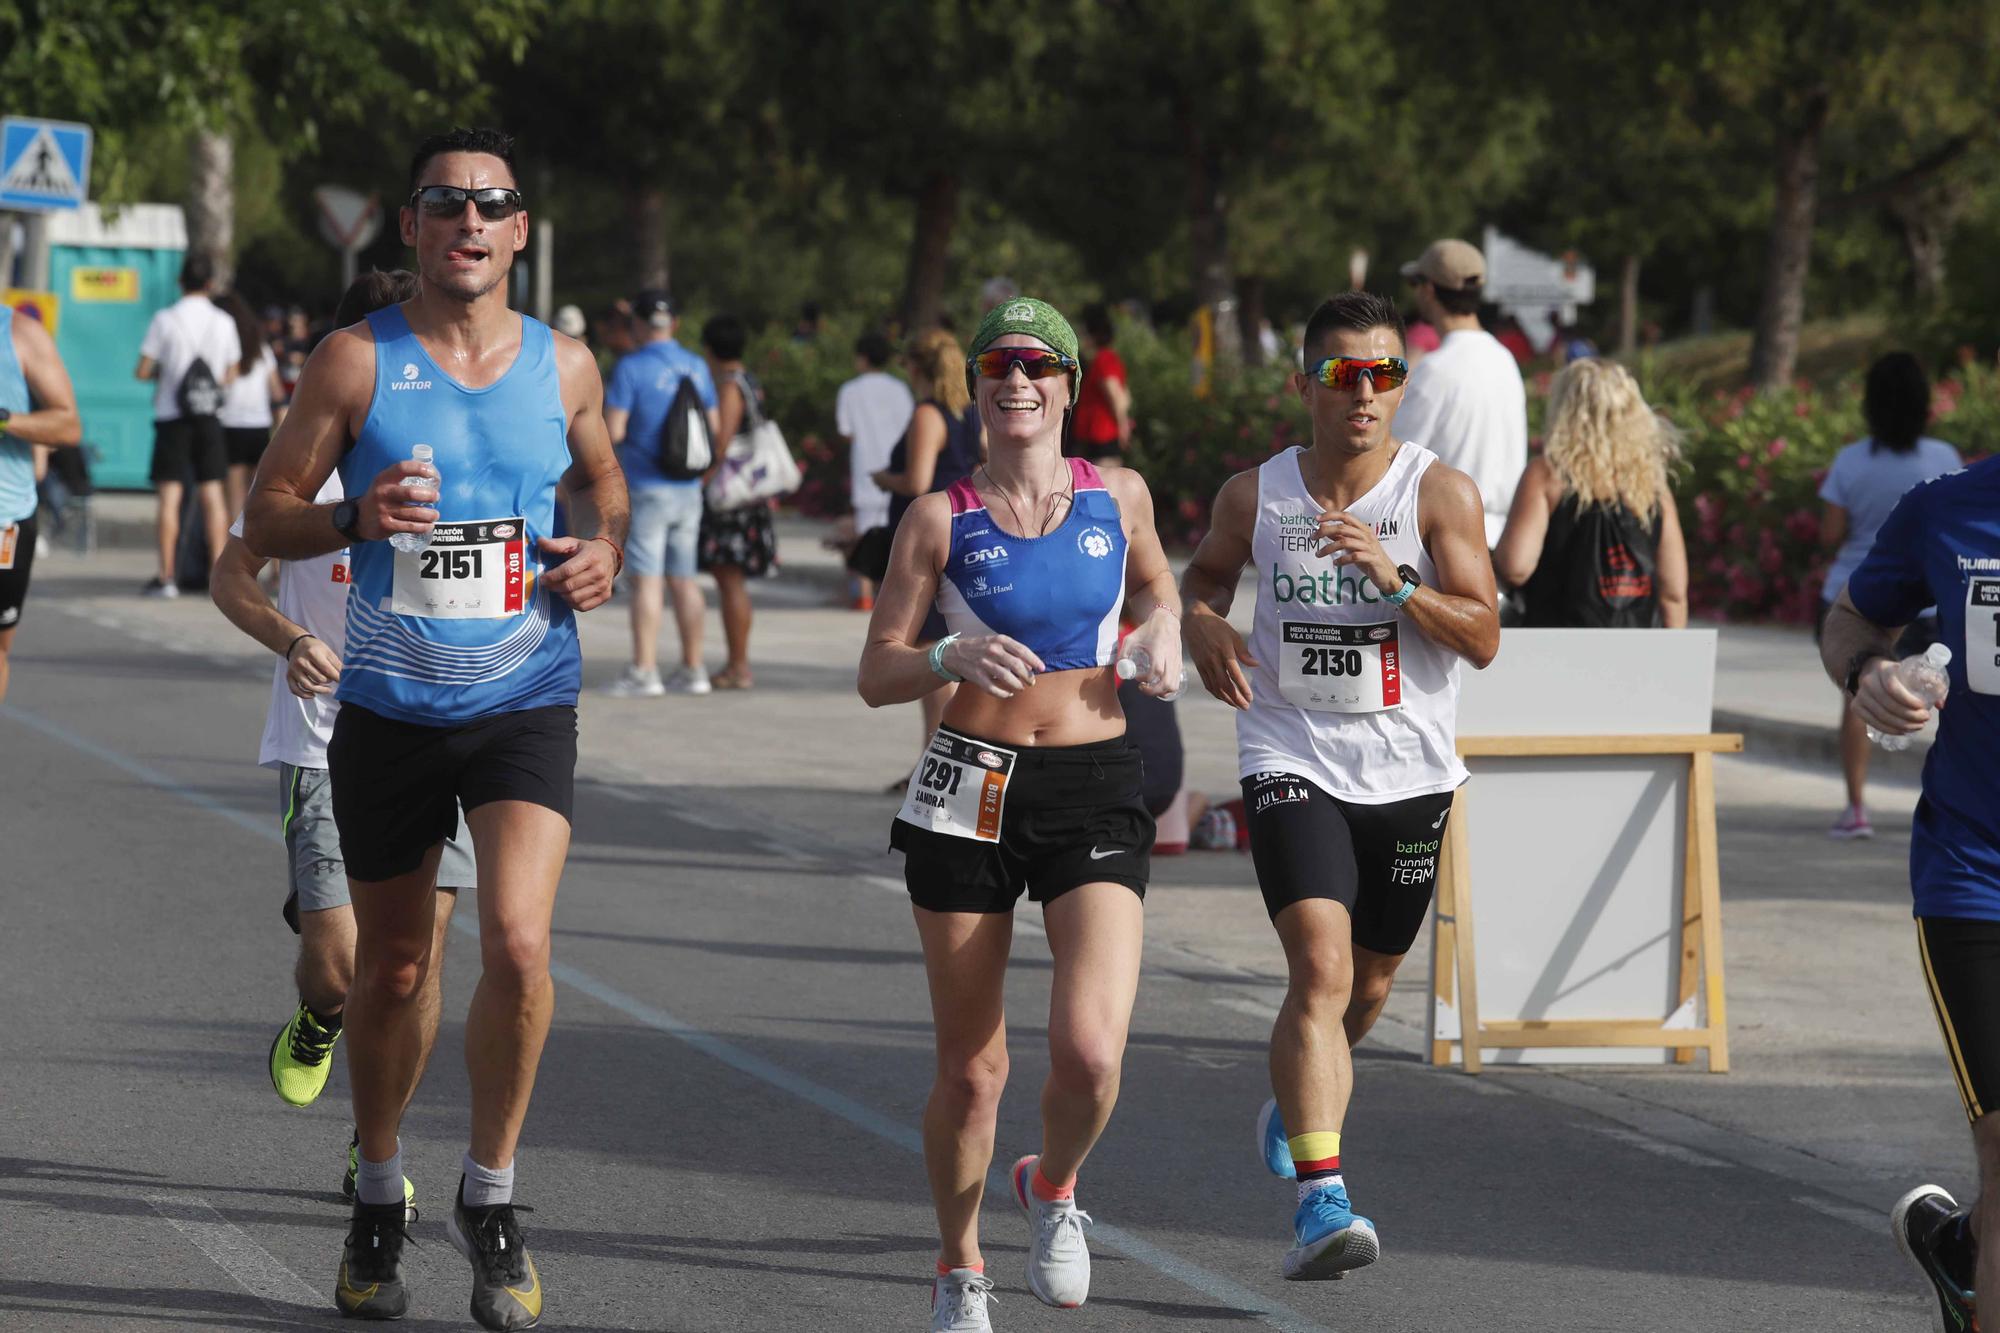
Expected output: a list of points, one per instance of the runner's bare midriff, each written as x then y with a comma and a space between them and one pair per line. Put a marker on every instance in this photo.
1060, 708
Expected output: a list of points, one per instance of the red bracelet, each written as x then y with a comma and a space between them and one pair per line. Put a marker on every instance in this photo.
616, 549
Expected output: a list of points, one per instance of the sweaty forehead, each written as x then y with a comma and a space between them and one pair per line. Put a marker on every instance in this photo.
468, 171
1378, 341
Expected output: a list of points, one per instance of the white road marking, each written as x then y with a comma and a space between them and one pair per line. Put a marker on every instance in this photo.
1873, 1223
255, 1268
1673, 1152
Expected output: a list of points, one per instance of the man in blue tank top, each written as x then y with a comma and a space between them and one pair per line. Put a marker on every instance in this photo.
37, 406
1940, 547
460, 680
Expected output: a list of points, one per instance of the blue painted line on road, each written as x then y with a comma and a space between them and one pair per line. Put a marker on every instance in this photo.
1166, 1262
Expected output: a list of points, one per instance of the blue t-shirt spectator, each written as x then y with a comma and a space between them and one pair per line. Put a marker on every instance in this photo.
644, 384
1941, 546
1866, 480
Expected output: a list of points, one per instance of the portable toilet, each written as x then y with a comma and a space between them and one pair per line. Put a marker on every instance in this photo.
112, 269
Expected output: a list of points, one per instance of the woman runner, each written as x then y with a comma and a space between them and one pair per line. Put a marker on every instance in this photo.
1028, 784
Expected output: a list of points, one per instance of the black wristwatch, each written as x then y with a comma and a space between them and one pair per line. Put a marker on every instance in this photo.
1856, 664
5, 416
347, 520
1410, 575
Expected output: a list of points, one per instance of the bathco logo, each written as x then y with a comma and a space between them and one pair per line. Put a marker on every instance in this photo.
409, 380
1326, 588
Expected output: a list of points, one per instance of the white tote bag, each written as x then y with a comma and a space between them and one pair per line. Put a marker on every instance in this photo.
758, 465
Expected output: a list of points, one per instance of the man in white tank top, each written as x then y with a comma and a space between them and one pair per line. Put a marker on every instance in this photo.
1373, 582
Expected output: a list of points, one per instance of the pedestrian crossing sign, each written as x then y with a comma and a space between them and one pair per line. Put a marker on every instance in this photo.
44, 164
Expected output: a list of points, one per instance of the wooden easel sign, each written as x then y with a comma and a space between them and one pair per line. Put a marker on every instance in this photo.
1578, 906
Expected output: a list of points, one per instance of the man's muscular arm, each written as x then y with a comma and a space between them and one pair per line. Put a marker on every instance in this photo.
599, 506
1215, 649
1463, 611
54, 420
280, 520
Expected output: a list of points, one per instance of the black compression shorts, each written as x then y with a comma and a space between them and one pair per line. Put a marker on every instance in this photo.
1378, 861
17, 566
1961, 960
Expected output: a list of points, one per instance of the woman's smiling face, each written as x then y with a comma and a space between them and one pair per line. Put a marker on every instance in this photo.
1016, 408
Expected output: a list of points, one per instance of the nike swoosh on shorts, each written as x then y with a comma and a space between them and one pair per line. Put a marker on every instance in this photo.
1096, 855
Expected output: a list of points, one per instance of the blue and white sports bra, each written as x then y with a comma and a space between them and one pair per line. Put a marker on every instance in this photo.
1059, 594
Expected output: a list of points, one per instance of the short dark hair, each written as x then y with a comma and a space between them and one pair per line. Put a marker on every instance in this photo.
371, 291
1357, 312
1097, 323
1896, 400
873, 348
494, 143
725, 336
1460, 300
197, 271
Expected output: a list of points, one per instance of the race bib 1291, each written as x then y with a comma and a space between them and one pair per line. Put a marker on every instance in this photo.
959, 787
1340, 668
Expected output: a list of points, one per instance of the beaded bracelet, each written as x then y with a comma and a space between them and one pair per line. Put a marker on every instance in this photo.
937, 658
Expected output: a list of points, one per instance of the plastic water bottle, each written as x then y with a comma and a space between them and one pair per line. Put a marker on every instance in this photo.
1135, 662
1924, 677
410, 542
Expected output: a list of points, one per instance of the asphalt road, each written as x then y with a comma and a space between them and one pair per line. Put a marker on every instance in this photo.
725, 1132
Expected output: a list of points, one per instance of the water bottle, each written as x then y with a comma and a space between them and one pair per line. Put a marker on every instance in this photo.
1134, 662
1924, 677
412, 542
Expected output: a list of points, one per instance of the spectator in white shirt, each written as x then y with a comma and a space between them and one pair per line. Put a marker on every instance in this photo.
1465, 402
871, 412
190, 353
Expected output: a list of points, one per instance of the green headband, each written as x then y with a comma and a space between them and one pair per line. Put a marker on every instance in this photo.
1024, 314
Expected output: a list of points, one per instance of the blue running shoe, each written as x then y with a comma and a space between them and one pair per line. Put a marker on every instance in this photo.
1272, 1144
1331, 1239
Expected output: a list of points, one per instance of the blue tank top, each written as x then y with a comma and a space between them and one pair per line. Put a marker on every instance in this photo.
419, 649
17, 459
1059, 595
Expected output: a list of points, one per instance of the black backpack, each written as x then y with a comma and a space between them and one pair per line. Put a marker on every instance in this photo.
684, 448
199, 394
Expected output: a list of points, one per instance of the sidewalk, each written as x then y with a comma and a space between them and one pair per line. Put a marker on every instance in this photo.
1768, 682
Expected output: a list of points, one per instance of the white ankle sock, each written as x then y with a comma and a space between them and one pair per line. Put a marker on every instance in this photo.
485, 1186
379, 1182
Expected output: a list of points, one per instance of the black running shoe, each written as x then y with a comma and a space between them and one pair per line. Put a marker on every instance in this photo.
370, 1285
506, 1291
1930, 1230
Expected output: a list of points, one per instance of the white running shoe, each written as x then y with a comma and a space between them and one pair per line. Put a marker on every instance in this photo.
958, 1302
636, 684
1058, 1259
689, 680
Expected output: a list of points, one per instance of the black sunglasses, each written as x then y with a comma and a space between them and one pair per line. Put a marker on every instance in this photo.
448, 201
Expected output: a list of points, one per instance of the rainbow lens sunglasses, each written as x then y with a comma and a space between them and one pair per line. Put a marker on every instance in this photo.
1344, 372
448, 201
1037, 363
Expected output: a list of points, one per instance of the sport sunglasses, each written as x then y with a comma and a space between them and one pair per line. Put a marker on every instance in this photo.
448, 201
1344, 372
1037, 363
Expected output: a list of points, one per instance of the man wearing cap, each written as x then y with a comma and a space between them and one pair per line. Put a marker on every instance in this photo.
1465, 401
666, 512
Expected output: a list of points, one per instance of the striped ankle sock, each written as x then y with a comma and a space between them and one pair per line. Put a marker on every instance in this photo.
1316, 1157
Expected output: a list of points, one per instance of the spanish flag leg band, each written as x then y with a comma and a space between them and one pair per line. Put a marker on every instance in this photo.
1315, 1152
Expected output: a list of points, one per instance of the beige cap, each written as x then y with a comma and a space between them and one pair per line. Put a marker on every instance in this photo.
1453, 265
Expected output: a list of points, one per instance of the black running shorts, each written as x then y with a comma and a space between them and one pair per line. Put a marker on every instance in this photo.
1380, 862
1073, 815
1961, 961
17, 566
189, 445
397, 786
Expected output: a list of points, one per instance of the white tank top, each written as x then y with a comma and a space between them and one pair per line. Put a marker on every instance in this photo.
1348, 693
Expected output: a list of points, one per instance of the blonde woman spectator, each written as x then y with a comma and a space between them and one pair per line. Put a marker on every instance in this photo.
1593, 540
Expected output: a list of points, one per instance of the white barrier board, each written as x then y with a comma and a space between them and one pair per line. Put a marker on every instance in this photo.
1576, 864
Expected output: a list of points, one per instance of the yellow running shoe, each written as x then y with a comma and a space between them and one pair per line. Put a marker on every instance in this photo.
302, 1058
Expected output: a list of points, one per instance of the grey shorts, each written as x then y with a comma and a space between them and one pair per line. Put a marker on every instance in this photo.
666, 521
316, 873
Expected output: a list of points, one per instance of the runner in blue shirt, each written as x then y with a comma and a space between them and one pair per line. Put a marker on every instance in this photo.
1941, 546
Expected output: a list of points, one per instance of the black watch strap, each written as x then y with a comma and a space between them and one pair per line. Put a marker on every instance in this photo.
5, 416
1858, 663
347, 520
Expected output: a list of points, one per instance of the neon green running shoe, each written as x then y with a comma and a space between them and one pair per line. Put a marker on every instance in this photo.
302, 1058
354, 1170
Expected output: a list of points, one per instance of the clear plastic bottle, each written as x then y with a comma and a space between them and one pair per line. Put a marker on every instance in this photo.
1923, 676
1135, 662
409, 542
